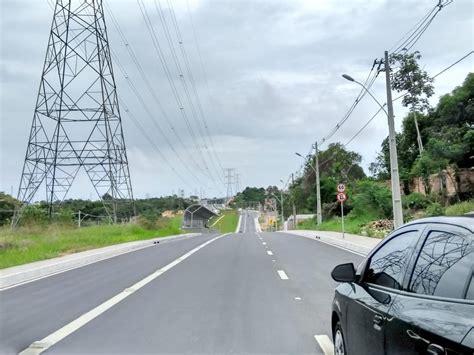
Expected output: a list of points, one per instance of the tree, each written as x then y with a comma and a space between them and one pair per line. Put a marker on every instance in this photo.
411, 78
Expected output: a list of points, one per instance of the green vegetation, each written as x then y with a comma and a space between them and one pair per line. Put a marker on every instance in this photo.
460, 208
92, 212
352, 224
33, 243
226, 224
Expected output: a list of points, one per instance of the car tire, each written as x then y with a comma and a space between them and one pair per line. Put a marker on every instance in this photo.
339, 341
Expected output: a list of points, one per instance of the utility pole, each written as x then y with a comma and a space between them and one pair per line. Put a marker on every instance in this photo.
282, 214
318, 189
293, 202
395, 178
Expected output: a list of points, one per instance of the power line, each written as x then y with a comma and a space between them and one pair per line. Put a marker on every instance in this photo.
159, 52
137, 64
191, 76
182, 77
452, 65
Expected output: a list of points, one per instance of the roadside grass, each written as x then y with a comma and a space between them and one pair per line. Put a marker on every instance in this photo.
352, 224
228, 223
28, 244
460, 208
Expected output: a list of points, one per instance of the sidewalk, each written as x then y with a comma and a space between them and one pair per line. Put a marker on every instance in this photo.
27, 272
352, 242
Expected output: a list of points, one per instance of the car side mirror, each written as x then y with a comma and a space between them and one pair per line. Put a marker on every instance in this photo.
344, 273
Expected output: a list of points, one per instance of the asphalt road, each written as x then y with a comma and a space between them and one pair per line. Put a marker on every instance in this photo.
246, 292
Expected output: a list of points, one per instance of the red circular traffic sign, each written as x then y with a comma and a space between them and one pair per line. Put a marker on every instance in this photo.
341, 197
341, 188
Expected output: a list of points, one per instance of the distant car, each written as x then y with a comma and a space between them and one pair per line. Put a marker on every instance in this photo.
413, 294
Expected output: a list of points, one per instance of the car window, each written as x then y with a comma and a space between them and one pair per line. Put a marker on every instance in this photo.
444, 266
387, 266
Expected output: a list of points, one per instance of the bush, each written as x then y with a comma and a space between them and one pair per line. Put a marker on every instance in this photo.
435, 209
416, 201
33, 215
372, 198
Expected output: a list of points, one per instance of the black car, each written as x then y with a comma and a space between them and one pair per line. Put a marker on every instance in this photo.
413, 294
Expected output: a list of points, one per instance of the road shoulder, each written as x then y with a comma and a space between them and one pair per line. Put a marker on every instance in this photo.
17, 275
351, 242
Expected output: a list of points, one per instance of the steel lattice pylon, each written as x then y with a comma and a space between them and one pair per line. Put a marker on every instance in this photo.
77, 121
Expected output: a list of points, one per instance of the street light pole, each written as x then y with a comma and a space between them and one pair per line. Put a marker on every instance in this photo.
395, 178
318, 189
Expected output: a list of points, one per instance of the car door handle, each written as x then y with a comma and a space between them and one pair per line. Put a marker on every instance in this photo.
378, 319
378, 322
435, 349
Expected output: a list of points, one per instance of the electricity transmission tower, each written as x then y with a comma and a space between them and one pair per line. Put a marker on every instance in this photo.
229, 176
77, 123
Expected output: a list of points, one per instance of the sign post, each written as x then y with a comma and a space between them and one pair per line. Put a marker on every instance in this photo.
341, 197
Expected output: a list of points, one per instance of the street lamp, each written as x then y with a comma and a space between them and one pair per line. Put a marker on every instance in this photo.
350, 78
394, 175
318, 190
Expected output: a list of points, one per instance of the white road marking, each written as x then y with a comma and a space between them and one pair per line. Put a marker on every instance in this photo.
245, 223
341, 247
87, 263
283, 275
269, 252
39, 346
237, 230
264, 243
325, 344
274, 260
298, 298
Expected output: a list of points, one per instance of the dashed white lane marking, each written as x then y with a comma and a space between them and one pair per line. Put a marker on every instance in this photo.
297, 298
269, 252
39, 346
274, 260
283, 275
264, 243
325, 344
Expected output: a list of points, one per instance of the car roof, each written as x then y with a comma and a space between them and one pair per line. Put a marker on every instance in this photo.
462, 221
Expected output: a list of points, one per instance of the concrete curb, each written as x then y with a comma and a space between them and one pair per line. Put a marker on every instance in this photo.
357, 248
16, 275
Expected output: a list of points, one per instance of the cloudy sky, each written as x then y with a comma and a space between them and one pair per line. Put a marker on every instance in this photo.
268, 77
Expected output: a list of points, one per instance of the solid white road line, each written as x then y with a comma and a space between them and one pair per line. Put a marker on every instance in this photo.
269, 252
283, 275
237, 230
257, 225
341, 247
90, 262
39, 346
325, 344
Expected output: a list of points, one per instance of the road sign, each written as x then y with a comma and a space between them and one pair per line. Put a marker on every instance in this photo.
341, 188
341, 197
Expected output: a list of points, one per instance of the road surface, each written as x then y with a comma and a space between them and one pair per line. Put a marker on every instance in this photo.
245, 292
